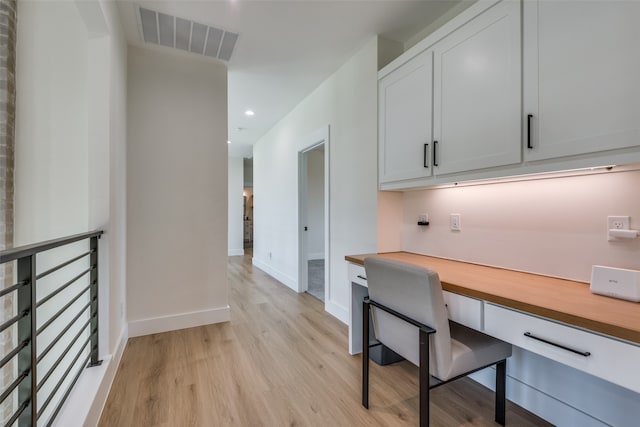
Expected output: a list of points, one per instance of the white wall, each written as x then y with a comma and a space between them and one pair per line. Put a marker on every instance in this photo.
176, 192
347, 101
70, 157
236, 206
314, 203
554, 227
52, 149
52, 163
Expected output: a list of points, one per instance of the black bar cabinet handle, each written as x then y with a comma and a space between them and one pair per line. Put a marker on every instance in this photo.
529, 117
572, 350
435, 159
361, 277
424, 155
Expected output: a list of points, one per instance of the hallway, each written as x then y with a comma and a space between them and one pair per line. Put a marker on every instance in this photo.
280, 361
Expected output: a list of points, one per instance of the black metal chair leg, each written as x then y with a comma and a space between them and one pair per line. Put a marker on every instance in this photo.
501, 391
424, 378
365, 354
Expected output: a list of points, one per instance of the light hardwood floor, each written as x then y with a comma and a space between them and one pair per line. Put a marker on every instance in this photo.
280, 361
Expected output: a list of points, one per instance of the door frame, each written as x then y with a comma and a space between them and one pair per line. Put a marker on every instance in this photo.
310, 142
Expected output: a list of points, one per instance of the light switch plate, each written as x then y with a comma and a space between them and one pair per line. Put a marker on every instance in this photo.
454, 222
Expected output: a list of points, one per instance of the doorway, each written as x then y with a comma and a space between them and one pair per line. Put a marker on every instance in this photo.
313, 216
247, 214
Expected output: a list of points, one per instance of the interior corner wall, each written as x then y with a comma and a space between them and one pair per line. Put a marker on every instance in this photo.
176, 192
390, 218
114, 116
347, 102
236, 206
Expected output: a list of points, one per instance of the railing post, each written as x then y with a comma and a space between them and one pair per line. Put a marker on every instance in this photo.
93, 295
27, 330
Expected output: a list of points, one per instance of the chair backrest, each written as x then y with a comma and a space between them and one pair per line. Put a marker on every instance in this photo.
415, 292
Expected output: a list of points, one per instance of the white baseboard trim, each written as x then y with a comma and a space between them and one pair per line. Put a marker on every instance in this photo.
88, 397
235, 252
337, 311
533, 400
313, 256
286, 280
174, 322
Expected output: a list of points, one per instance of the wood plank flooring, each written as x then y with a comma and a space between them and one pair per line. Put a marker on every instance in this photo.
280, 361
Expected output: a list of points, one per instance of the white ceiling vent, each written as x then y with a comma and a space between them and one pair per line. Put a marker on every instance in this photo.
170, 31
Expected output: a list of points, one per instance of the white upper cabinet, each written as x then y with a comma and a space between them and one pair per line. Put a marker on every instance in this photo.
477, 92
513, 87
581, 77
405, 120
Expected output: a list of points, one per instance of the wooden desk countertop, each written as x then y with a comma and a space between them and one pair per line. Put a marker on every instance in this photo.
562, 300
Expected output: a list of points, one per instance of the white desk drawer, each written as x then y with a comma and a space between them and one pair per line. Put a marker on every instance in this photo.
357, 274
607, 358
464, 310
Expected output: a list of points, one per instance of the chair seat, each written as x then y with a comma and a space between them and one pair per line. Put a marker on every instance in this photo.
471, 350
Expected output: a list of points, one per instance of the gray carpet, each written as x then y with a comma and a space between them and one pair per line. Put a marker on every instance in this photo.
316, 278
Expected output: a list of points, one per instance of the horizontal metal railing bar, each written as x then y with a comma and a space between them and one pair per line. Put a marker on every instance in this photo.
62, 310
13, 352
57, 362
64, 264
63, 287
28, 250
64, 376
13, 385
14, 319
19, 412
67, 392
64, 331
12, 288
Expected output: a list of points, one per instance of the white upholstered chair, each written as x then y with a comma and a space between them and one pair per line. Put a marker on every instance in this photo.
410, 317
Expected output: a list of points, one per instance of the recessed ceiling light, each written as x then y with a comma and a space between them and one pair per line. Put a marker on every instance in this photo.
249, 113
228, 142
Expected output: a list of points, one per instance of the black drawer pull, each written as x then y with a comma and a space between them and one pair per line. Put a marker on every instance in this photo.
361, 277
572, 350
424, 155
529, 117
435, 159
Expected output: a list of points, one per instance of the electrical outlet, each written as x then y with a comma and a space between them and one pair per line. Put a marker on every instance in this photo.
620, 222
423, 217
617, 222
455, 222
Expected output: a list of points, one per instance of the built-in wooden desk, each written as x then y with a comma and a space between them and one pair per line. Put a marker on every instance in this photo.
513, 305
562, 300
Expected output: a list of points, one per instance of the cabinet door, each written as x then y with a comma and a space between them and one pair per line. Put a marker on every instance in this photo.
581, 71
405, 120
477, 92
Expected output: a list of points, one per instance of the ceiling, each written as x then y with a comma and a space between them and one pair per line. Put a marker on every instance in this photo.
287, 48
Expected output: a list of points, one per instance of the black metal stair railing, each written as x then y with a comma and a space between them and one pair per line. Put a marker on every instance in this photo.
30, 405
